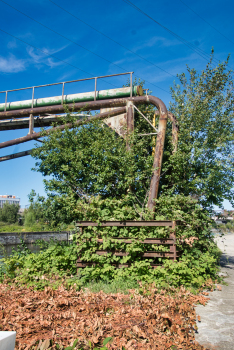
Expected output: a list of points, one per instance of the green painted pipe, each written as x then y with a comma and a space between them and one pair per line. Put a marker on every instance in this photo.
81, 97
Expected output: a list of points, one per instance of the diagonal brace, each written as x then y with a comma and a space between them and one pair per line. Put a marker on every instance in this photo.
145, 118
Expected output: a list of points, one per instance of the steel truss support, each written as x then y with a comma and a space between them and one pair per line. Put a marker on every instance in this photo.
37, 135
108, 103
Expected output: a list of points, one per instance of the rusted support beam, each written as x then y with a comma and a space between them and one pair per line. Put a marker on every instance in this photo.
130, 117
15, 155
158, 155
128, 223
80, 106
97, 105
31, 124
175, 130
37, 135
40, 121
130, 122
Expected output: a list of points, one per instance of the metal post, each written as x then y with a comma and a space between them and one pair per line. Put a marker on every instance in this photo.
153, 148
95, 92
130, 121
5, 102
31, 124
79, 256
62, 94
131, 84
158, 155
32, 97
174, 237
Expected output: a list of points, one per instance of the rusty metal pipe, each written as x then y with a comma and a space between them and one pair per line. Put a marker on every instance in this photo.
175, 130
15, 155
94, 105
159, 147
130, 122
37, 135
79, 106
39, 122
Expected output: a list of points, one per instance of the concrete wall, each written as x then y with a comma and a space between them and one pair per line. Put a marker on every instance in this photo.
8, 238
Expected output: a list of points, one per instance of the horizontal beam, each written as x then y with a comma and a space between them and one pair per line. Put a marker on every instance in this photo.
81, 106
128, 223
15, 155
84, 264
72, 98
39, 122
37, 135
146, 241
144, 255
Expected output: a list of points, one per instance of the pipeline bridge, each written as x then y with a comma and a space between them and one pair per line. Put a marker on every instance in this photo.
116, 107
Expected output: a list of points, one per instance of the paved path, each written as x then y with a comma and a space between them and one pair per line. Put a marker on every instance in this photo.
216, 329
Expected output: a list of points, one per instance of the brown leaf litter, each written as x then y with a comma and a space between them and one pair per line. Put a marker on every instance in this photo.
152, 320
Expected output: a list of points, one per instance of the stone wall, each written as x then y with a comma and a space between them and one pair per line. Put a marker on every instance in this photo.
9, 238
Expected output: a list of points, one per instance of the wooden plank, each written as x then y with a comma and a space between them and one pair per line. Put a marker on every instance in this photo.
128, 223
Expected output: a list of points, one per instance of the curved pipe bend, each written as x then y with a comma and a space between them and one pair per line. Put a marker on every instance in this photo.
94, 105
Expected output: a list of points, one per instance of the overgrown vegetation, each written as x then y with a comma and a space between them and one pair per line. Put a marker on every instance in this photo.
93, 177
56, 263
9, 213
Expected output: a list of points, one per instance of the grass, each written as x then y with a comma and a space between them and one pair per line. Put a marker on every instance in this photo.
110, 287
37, 227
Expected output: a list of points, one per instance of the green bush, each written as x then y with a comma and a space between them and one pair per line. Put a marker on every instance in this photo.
57, 260
30, 219
9, 213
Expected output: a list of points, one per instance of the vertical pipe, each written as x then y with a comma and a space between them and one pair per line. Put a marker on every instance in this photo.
5, 102
95, 92
158, 156
79, 256
153, 148
175, 131
131, 84
174, 237
130, 122
31, 124
32, 97
62, 94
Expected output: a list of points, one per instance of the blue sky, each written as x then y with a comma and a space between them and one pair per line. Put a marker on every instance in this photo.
136, 41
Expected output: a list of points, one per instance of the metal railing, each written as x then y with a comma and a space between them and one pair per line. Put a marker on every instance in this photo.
172, 253
68, 82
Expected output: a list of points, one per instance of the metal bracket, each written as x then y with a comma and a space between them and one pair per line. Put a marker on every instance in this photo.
145, 118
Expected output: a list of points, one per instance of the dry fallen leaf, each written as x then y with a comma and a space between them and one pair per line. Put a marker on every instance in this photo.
154, 320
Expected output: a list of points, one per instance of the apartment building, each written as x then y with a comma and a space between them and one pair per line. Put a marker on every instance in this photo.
8, 199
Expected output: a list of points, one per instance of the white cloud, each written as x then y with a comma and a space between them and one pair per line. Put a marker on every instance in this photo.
12, 64
41, 57
160, 41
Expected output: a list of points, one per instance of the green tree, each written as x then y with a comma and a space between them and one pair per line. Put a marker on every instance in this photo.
91, 160
35, 211
9, 213
202, 167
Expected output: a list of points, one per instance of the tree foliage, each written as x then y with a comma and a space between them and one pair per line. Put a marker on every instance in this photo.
35, 213
92, 160
9, 213
203, 165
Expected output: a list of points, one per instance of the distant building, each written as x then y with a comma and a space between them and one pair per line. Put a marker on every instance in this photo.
8, 199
